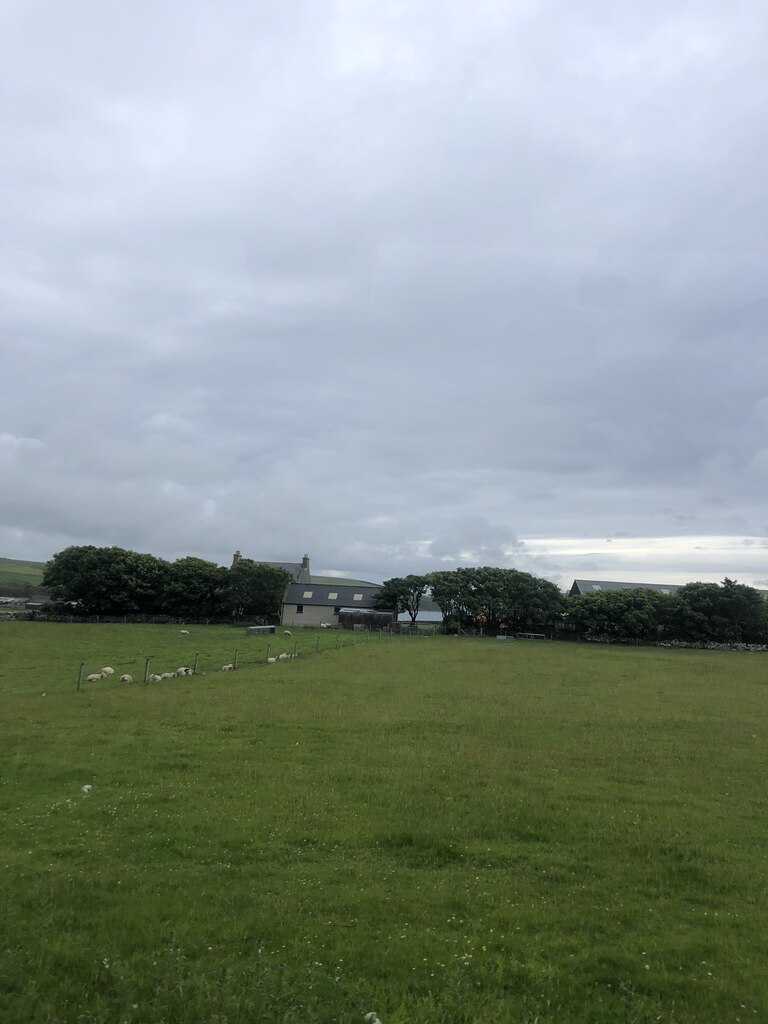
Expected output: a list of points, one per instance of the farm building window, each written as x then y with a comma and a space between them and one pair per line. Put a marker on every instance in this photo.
307, 593
333, 595
357, 597
337, 609
299, 609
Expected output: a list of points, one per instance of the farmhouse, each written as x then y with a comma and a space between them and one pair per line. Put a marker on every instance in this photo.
319, 600
581, 587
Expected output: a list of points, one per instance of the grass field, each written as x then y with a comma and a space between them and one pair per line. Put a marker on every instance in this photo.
440, 830
14, 571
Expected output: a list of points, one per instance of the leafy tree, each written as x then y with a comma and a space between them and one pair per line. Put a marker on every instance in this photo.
727, 613
403, 594
631, 614
493, 596
254, 589
106, 580
195, 588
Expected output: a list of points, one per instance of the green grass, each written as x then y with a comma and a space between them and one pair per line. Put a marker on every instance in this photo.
440, 830
14, 571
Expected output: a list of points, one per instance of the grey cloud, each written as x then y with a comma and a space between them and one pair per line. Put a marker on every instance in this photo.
387, 284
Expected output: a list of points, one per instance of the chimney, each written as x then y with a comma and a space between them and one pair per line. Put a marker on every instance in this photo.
235, 558
304, 576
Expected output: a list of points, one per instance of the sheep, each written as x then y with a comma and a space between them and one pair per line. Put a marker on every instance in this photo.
184, 632
372, 1018
168, 675
184, 671
94, 677
86, 788
287, 632
283, 656
107, 671
227, 668
271, 661
126, 679
154, 678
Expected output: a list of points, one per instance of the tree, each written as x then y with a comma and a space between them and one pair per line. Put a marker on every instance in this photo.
493, 596
255, 590
403, 594
731, 613
101, 581
195, 588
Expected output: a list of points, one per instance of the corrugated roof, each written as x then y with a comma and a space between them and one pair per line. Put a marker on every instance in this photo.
595, 586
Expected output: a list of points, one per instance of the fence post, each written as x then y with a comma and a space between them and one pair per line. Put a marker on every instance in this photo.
80, 674
295, 648
146, 669
317, 646
234, 662
197, 658
269, 648
338, 638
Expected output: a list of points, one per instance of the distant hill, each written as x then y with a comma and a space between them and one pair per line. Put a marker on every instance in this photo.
20, 579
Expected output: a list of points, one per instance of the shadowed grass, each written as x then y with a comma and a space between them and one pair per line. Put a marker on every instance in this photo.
436, 829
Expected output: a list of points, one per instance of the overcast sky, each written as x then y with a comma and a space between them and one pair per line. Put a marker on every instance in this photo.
402, 285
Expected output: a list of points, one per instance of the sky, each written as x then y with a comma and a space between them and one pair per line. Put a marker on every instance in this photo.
404, 286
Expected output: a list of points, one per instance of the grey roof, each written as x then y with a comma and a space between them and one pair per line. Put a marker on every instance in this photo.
595, 586
428, 612
320, 594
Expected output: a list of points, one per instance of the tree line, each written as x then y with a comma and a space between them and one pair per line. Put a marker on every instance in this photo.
487, 597
508, 599
113, 581
728, 613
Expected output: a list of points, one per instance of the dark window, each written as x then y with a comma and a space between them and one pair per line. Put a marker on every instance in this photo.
337, 609
299, 609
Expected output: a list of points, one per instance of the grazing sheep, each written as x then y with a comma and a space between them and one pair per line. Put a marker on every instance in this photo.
184, 632
271, 661
154, 678
107, 671
126, 679
283, 656
287, 632
227, 668
168, 675
184, 671
94, 677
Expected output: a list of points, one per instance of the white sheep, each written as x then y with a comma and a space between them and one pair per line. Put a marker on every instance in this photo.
154, 678
168, 675
126, 679
372, 1018
283, 656
184, 632
183, 671
107, 671
287, 632
227, 668
94, 677
271, 661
